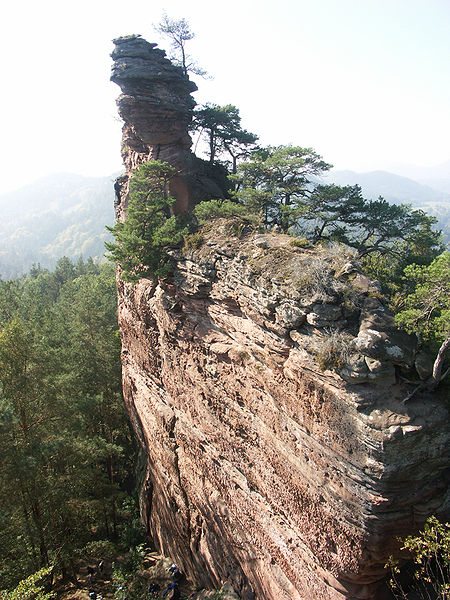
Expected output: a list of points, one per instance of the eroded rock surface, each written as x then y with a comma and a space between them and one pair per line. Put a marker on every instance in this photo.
156, 107
265, 384
263, 469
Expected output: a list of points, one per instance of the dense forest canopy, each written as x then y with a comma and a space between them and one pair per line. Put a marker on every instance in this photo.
66, 450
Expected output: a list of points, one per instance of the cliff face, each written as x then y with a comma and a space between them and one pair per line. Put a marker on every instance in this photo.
264, 467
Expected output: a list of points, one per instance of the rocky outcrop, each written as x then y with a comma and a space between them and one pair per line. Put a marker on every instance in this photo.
262, 468
265, 383
156, 107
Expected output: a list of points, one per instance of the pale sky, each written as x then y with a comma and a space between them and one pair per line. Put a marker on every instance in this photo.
366, 83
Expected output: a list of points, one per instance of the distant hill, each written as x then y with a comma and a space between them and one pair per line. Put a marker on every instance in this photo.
436, 176
59, 215
399, 190
440, 184
65, 214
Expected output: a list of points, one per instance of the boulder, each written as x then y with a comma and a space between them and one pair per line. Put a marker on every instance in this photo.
324, 315
393, 346
424, 364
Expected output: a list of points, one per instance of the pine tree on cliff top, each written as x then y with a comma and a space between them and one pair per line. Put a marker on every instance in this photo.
149, 229
427, 310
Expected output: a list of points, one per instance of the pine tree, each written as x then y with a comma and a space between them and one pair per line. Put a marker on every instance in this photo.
150, 227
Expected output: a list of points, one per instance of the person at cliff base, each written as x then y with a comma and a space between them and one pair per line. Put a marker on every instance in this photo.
172, 592
153, 590
175, 572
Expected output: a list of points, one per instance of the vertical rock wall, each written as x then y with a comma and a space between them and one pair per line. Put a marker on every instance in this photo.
156, 108
289, 481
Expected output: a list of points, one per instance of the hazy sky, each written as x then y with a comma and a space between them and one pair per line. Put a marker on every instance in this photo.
366, 83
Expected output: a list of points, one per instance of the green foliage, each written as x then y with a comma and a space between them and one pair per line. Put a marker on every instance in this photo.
333, 211
193, 240
179, 32
278, 186
387, 237
125, 583
104, 548
120, 578
300, 242
214, 209
276, 182
427, 307
434, 541
150, 229
65, 445
31, 588
430, 551
396, 230
131, 532
221, 125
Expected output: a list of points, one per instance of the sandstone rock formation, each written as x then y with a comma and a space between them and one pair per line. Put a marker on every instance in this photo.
265, 383
156, 107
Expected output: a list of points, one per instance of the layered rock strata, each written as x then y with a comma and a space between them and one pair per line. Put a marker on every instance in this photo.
156, 107
262, 469
265, 383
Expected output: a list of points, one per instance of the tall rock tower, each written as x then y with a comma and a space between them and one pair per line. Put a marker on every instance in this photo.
156, 107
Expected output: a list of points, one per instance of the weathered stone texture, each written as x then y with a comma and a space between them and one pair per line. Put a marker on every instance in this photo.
289, 480
156, 107
261, 468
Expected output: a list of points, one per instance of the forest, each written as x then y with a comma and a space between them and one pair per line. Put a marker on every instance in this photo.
67, 454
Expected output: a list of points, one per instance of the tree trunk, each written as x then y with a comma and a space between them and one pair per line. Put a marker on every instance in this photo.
437, 376
29, 531
37, 519
212, 146
183, 60
105, 515
439, 362
114, 517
